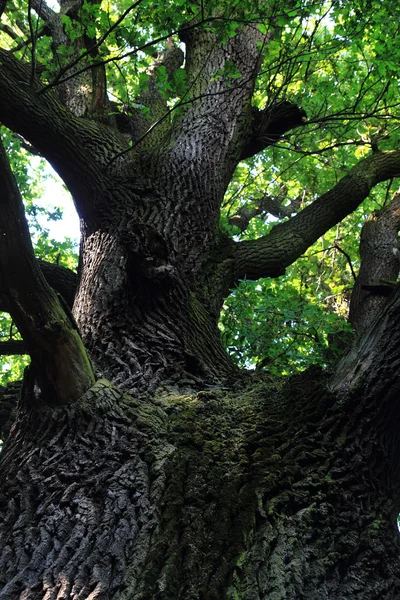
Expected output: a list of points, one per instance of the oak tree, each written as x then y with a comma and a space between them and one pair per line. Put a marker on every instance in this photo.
204, 144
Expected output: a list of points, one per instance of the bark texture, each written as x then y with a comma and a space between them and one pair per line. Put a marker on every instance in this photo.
268, 489
380, 265
270, 492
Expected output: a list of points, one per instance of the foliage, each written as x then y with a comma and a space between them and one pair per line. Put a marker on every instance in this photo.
336, 62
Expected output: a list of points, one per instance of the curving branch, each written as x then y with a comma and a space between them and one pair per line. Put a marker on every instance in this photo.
61, 369
269, 125
78, 149
270, 255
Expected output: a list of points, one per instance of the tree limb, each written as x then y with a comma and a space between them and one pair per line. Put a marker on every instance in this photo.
44, 11
10, 32
13, 348
270, 255
269, 125
78, 149
62, 280
60, 366
272, 205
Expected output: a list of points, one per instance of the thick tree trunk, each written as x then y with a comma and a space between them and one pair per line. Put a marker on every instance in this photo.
269, 492
379, 267
146, 309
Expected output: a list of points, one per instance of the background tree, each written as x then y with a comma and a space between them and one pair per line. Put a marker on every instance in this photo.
142, 463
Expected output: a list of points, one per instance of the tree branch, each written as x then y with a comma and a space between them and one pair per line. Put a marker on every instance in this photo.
13, 348
269, 125
272, 205
62, 280
60, 366
44, 11
78, 149
270, 255
10, 32
380, 262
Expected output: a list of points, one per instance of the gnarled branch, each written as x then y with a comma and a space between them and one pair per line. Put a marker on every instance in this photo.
60, 366
270, 255
270, 124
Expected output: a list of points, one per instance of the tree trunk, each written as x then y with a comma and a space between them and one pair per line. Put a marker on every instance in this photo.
269, 492
146, 307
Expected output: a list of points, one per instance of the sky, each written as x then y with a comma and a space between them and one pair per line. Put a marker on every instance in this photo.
55, 194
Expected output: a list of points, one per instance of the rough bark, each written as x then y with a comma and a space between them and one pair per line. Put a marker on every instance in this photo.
275, 490
379, 267
271, 492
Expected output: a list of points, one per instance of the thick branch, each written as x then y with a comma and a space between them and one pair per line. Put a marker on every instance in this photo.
269, 125
149, 129
44, 11
379, 264
79, 149
270, 255
219, 109
60, 364
13, 348
62, 280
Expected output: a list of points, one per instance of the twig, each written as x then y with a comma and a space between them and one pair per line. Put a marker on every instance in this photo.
348, 259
